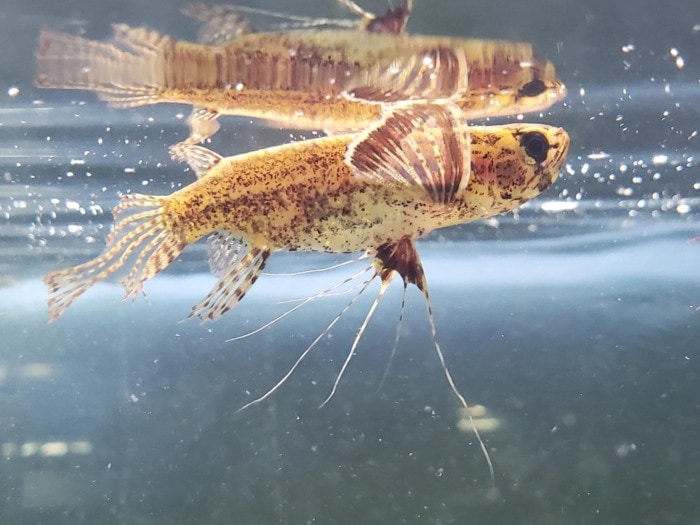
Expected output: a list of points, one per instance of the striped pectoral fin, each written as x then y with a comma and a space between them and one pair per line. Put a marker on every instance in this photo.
198, 158
140, 229
432, 74
423, 145
220, 23
233, 284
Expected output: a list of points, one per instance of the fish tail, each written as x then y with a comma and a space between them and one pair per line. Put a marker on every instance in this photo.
140, 228
127, 71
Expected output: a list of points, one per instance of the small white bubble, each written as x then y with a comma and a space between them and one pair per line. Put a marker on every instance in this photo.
659, 159
683, 209
13, 91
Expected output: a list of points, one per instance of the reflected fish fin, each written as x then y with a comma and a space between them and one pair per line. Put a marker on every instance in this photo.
220, 23
416, 144
198, 158
232, 285
203, 124
431, 74
126, 71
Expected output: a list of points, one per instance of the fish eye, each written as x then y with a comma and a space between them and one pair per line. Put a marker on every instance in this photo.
532, 88
536, 145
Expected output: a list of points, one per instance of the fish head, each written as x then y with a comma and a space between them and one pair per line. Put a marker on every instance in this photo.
512, 164
513, 85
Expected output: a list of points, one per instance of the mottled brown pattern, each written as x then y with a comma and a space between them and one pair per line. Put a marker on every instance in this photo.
304, 196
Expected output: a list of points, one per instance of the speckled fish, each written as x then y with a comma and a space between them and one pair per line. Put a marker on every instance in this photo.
335, 80
417, 169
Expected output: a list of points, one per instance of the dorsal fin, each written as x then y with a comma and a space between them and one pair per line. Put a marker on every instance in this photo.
220, 23
430, 74
199, 159
423, 145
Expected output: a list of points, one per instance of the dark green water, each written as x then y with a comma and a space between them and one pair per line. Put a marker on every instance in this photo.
573, 323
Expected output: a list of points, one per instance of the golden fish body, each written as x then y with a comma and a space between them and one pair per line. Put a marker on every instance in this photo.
418, 169
334, 80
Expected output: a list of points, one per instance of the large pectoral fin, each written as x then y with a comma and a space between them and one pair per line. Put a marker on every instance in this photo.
417, 145
431, 74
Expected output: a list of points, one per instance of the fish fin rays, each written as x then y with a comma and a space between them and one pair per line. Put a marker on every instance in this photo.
234, 283
225, 250
402, 257
436, 73
139, 228
125, 72
421, 145
198, 158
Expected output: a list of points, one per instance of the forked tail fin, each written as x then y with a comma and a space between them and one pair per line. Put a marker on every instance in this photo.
140, 228
128, 71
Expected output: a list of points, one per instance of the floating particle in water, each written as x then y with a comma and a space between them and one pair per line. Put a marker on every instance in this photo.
627, 48
659, 160
13, 91
678, 58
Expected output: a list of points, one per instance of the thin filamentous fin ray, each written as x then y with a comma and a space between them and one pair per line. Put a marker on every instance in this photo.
316, 270
302, 302
462, 400
309, 348
397, 336
356, 341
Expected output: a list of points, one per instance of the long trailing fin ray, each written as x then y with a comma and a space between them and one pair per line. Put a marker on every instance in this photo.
309, 348
402, 257
139, 227
358, 336
291, 21
397, 336
455, 390
425, 146
230, 289
306, 300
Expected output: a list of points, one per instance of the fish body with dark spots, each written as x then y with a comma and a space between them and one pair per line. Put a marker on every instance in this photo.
418, 169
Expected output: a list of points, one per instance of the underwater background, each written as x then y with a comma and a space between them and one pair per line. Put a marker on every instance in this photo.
572, 323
